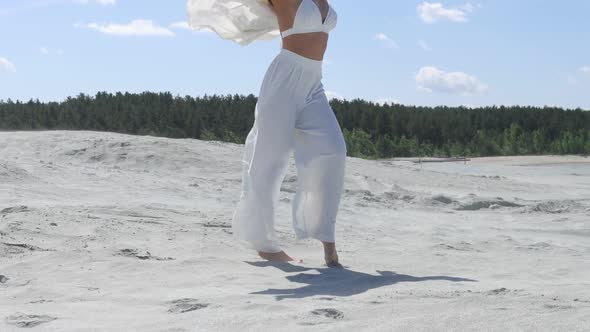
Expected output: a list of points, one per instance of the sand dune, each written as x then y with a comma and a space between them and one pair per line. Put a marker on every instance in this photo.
104, 231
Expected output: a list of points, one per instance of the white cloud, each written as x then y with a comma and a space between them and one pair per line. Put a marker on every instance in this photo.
433, 12
383, 101
386, 40
100, 2
48, 51
6, 65
585, 70
334, 95
571, 79
467, 7
180, 25
423, 45
135, 28
433, 79
30, 5
183, 25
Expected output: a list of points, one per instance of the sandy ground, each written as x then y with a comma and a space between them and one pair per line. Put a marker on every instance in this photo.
111, 232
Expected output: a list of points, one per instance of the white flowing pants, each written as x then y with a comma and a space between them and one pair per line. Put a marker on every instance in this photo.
292, 114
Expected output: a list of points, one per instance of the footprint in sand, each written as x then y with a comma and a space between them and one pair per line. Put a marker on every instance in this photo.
18, 248
486, 204
443, 199
147, 256
554, 207
557, 307
24, 320
328, 312
185, 305
499, 291
41, 301
216, 224
15, 209
326, 298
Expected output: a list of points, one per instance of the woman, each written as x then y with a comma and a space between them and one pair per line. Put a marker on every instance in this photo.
292, 113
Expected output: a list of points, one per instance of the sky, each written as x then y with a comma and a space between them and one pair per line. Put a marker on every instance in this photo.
478, 53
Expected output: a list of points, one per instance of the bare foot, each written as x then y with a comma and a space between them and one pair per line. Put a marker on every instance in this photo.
280, 256
330, 254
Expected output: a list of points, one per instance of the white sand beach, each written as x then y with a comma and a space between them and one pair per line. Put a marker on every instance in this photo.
111, 232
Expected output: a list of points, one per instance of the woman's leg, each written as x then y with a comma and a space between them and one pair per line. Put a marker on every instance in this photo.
320, 155
266, 155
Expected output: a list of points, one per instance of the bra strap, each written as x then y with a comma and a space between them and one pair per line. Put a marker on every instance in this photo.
287, 33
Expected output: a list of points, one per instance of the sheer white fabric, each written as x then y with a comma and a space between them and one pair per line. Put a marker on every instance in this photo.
242, 21
292, 115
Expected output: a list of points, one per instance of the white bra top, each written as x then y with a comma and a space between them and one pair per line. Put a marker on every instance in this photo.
309, 19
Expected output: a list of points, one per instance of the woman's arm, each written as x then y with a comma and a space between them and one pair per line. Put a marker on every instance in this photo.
285, 11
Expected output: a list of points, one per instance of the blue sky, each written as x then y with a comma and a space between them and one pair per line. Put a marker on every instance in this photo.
525, 52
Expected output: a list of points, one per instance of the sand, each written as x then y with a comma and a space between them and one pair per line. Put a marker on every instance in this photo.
111, 232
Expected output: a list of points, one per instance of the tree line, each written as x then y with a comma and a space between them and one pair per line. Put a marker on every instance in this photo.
370, 130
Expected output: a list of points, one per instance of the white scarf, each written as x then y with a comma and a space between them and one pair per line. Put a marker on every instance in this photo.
241, 21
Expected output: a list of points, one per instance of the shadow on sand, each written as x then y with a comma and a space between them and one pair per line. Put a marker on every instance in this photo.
338, 282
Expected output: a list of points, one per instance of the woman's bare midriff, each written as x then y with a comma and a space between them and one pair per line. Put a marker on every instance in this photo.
310, 45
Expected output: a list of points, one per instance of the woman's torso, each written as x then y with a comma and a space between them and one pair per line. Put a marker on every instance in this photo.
297, 16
